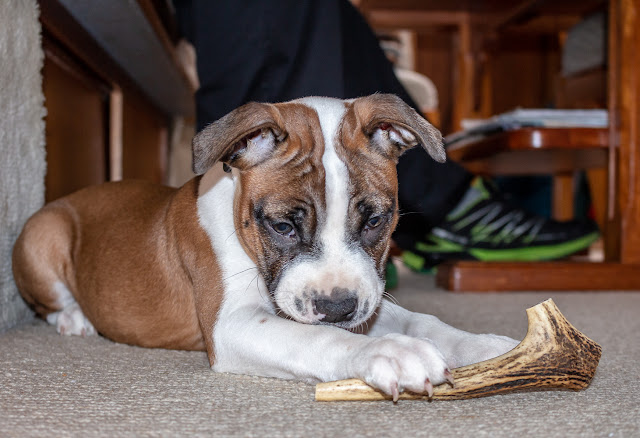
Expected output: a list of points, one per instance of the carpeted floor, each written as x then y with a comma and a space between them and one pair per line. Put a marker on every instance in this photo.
68, 386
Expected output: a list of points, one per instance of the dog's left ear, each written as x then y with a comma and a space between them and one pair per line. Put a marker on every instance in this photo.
393, 127
243, 138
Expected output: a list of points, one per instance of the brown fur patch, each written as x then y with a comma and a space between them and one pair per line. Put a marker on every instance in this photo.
372, 162
373, 182
290, 181
135, 259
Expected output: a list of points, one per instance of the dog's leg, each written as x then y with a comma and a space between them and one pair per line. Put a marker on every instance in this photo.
70, 320
41, 262
458, 347
250, 341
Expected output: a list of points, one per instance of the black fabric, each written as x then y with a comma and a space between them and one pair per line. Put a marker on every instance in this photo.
274, 51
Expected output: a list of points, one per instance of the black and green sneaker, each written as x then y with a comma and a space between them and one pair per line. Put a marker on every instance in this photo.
483, 226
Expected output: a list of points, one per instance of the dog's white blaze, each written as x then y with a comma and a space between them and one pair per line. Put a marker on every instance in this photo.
333, 234
341, 265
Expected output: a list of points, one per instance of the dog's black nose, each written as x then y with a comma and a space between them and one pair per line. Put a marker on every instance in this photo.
340, 306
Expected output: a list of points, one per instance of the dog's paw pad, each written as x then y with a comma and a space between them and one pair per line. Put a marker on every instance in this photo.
71, 321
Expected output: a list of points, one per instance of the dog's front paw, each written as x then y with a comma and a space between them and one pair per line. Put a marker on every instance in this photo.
396, 362
478, 348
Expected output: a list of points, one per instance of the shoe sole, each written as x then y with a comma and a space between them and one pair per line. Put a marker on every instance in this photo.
423, 262
535, 253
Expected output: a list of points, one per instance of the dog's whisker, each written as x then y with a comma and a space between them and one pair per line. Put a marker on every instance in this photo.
404, 213
288, 309
284, 315
249, 285
263, 295
235, 231
394, 315
240, 272
363, 327
391, 298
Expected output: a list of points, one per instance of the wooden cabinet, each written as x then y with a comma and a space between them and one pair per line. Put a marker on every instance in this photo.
76, 123
145, 149
102, 122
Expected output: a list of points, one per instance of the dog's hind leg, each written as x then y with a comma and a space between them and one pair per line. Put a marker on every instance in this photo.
70, 320
43, 269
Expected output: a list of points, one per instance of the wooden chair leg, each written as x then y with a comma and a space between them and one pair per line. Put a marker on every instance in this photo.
563, 196
598, 188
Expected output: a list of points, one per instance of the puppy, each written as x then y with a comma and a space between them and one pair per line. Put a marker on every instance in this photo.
275, 268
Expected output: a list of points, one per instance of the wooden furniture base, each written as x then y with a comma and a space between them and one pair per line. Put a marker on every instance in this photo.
471, 276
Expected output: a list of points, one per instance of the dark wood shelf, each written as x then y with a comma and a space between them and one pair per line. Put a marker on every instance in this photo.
544, 150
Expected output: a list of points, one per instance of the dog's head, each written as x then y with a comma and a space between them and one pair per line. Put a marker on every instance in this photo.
316, 200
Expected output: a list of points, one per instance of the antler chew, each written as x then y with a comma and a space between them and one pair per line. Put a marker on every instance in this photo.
553, 354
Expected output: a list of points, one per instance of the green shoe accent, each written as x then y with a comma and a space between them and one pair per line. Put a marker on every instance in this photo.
441, 245
416, 263
391, 276
534, 253
476, 193
413, 261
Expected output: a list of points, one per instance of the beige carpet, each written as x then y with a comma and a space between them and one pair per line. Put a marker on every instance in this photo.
68, 386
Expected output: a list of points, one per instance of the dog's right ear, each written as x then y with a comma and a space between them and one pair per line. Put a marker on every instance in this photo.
243, 138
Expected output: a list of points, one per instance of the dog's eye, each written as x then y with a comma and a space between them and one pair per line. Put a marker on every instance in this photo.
283, 228
374, 222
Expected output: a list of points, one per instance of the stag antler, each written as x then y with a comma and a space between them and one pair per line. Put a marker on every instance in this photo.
553, 354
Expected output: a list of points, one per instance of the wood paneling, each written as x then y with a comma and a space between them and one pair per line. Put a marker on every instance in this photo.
465, 74
584, 90
523, 73
144, 140
100, 125
76, 123
435, 59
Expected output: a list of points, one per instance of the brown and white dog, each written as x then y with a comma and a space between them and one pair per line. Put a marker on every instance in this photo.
275, 268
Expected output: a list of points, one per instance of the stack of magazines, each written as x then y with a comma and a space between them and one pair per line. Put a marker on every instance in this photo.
520, 118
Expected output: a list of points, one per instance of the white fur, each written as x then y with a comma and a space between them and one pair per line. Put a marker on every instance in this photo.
260, 146
70, 320
402, 349
65, 298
